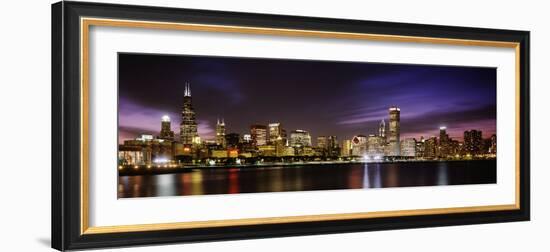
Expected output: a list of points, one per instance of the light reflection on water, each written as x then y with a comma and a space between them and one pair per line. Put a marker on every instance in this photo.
305, 178
442, 176
166, 184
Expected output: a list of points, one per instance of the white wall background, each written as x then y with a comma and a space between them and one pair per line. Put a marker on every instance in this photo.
25, 122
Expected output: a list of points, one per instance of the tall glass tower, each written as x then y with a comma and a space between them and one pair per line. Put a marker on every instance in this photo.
382, 129
165, 129
393, 139
188, 126
220, 132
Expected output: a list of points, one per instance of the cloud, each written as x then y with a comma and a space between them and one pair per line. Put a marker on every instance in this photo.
135, 119
206, 132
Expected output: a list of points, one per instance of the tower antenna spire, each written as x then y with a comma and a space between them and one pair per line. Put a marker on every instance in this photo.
187, 90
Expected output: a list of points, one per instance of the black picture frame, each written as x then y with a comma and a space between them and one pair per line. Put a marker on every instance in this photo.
66, 124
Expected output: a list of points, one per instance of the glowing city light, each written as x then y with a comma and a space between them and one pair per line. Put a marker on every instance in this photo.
160, 160
268, 141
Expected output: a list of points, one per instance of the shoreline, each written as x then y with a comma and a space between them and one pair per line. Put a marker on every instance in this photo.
149, 170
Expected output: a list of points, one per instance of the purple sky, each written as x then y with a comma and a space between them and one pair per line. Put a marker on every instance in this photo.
323, 97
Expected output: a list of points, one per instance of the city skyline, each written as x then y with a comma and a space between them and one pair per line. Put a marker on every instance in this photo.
151, 86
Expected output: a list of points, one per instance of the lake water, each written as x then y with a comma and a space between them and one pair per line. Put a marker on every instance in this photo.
308, 177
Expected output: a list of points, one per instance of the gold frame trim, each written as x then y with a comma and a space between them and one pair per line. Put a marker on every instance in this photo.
85, 24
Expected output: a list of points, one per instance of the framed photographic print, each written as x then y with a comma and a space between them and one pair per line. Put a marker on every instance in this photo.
179, 125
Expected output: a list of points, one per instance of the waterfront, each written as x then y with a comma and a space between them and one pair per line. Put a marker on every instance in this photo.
307, 178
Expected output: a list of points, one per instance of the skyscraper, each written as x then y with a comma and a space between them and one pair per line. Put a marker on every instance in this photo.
300, 138
322, 142
275, 131
430, 148
328, 145
346, 148
393, 140
382, 129
220, 132
420, 147
332, 146
359, 145
165, 129
375, 146
258, 134
443, 150
443, 137
472, 141
188, 126
408, 147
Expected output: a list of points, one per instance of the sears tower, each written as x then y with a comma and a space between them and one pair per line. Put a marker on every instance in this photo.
188, 126
393, 140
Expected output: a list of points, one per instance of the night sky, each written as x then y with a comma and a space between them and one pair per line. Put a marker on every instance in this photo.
322, 97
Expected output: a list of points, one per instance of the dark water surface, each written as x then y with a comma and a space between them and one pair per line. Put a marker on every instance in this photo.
308, 177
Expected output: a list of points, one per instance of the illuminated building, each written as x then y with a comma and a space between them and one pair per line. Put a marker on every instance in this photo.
300, 138
346, 148
247, 138
267, 150
188, 126
444, 142
218, 153
279, 146
408, 147
220, 132
472, 142
453, 148
394, 127
180, 149
196, 140
375, 146
233, 153
289, 151
275, 131
493, 148
165, 129
333, 148
307, 151
443, 136
245, 154
232, 140
420, 147
430, 148
145, 150
130, 155
322, 142
382, 130
246, 143
258, 134
359, 145
328, 145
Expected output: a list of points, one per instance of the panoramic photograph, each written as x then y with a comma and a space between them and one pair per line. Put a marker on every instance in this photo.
200, 125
